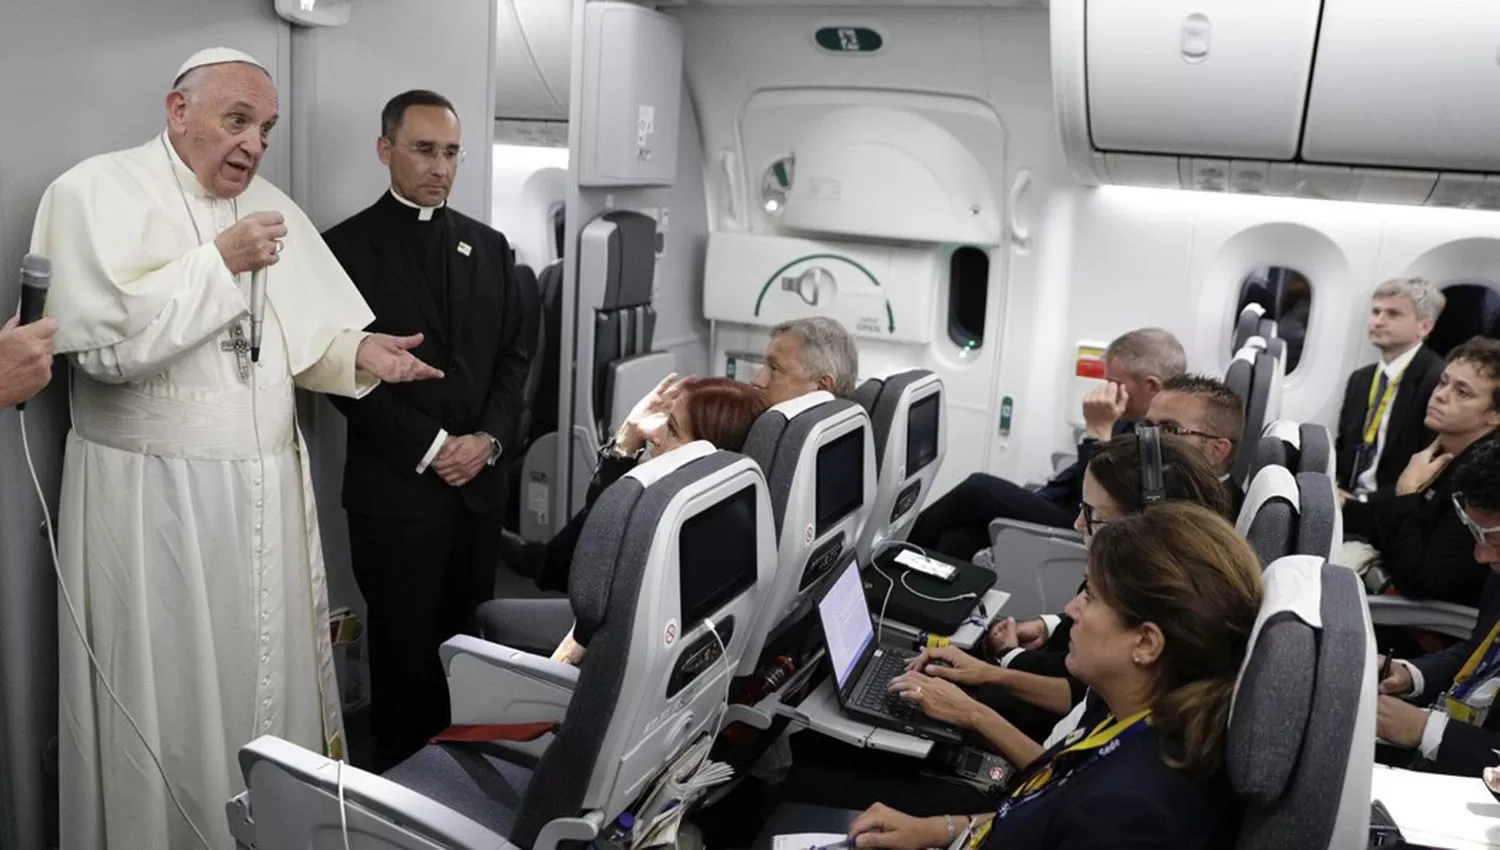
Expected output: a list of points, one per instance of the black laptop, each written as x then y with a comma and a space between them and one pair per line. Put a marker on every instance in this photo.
863, 670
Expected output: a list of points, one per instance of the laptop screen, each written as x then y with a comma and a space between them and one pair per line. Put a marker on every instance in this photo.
846, 623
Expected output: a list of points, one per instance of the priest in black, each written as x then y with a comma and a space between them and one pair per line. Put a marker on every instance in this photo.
423, 487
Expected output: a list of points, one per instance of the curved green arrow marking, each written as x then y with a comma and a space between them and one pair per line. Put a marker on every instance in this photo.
760, 299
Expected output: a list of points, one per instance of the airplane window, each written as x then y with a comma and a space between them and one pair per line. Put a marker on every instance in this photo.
558, 229
1472, 309
968, 297
774, 185
1286, 295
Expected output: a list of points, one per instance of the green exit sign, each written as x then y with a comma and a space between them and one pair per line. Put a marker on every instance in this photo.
849, 39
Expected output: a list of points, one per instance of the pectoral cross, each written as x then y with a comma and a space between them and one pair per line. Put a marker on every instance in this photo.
240, 346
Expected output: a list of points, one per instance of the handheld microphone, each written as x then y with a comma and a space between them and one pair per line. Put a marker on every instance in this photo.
36, 276
257, 311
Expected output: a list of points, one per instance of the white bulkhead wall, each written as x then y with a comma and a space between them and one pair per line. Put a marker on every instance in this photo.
1096, 263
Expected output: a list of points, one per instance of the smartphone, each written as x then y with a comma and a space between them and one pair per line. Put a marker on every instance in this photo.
946, 573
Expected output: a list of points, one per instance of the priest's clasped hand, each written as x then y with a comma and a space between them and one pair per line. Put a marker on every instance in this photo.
253, 242
389, 358
462, 458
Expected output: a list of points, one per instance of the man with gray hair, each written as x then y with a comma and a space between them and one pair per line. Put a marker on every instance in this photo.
806, 355
1380, 424
1136, 365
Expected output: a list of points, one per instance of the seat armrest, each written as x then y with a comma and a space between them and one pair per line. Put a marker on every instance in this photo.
1062, 535
294, 801
493, 684
1441, 617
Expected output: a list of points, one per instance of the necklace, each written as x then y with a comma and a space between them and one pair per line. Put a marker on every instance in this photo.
238, 343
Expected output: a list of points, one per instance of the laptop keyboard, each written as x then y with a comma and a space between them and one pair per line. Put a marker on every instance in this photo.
873, 696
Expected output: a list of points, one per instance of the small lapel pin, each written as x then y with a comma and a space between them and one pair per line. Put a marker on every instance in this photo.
463, 248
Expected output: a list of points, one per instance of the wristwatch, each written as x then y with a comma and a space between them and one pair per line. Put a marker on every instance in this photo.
495, 449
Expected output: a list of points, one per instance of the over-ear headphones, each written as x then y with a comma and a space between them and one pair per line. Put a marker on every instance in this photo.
1153, 487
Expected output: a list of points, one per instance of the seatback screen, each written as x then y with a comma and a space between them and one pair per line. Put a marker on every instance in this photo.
716, 556
922, 434
841, 478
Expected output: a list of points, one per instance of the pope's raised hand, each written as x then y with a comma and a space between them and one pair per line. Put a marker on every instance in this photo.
253, 242
389, 358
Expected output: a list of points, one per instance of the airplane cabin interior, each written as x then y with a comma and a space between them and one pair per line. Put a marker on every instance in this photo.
1026, 218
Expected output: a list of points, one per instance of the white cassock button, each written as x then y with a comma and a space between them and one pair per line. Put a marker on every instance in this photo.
265, 658
257, 527
260, 503
257, 482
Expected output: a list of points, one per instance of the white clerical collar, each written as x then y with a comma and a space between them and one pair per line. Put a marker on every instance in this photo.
423, 213
185, 176
1397, 366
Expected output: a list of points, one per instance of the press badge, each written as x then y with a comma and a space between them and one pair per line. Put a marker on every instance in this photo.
1474, 709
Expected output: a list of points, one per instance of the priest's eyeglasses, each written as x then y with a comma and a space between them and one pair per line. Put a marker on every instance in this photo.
430, 151
1486, 536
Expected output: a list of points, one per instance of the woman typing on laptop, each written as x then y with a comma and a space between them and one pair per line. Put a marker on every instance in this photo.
1020, 699
1159, 634
1010, 709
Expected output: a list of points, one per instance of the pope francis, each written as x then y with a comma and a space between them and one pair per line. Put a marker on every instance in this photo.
188, 540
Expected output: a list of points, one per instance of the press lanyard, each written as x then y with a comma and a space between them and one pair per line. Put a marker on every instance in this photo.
1480, 667
1105, 740
1372, 426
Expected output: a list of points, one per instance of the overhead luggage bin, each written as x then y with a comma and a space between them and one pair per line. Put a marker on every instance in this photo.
1214, 78
1404, 84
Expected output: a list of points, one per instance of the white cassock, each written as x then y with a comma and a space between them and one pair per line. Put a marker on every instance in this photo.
188, 534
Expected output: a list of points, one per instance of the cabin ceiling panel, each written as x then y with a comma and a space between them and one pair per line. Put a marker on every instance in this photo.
807, 4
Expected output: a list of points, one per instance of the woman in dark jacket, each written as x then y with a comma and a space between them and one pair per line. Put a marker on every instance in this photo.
1159, 635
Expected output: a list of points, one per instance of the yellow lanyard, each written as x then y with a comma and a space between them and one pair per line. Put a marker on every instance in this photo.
1372, 426
1104, 740
1477, 656
1482, 658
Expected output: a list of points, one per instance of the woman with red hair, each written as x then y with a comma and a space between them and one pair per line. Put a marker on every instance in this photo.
677, 412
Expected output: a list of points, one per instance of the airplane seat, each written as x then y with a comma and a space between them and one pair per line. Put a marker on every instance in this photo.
1270, 516
548, 365
1038, 565
1280, 445
1257, 402
1298, 446
907, 421
679, 542
1248, 324
613, 344
1241, 374
1320, 523
1300, 746
624, 365
818, 456
1268, 329
1316, 450
532, 336
1274, 358
866, 394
